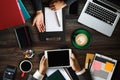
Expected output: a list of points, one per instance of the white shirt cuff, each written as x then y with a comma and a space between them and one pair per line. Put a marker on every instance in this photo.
37, 75
81, 72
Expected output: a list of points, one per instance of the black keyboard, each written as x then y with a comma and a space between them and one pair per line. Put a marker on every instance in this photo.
101, 13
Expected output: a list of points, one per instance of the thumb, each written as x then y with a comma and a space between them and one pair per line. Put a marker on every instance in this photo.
33, 24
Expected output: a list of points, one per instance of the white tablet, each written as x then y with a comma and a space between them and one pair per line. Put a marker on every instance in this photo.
102, 67
58, 58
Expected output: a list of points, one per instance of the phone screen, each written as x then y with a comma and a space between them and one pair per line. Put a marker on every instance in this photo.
73, 9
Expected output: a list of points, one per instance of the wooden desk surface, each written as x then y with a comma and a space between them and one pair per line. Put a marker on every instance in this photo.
11, 54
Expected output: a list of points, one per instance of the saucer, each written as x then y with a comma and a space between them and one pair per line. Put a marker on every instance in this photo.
81, 38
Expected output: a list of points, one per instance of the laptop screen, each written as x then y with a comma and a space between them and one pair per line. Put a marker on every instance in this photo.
113, 3
116, 2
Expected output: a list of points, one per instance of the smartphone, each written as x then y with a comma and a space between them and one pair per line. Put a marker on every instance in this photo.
73, 9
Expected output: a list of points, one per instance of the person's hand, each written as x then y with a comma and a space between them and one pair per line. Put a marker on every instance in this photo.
39, 21
74, 63
57, 4
43, 65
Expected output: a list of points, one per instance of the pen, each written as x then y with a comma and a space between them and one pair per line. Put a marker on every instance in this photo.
89, 64
57, 18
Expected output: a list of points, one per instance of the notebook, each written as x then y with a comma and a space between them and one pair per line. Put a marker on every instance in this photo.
62, 73
102, 67
89, 58
101, 15
23, 37
24, 10
54, 25
10, 14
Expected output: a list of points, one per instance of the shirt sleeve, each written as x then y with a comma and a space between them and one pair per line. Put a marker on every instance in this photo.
37, 75
69, 2
81, 72
37, 4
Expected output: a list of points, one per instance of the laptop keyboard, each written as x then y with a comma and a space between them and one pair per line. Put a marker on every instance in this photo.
101, 13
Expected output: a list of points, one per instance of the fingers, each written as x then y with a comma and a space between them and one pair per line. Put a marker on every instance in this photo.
40, 26
43, 27
57, 4
52, 7
43, 65
39, 22
43, 60
33, 24
73, 59
73, 56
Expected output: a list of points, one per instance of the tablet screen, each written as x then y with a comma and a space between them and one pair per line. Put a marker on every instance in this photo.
58, 58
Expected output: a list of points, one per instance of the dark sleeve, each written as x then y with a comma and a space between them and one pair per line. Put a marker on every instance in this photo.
68, 2
31, 77
37, 4
85, 76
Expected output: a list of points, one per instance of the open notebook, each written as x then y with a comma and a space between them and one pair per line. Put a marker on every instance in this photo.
54, 24
53, 20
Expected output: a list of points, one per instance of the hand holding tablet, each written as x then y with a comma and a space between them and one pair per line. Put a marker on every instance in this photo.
58, 58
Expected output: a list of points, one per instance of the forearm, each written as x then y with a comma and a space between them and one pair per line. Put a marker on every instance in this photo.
37, 4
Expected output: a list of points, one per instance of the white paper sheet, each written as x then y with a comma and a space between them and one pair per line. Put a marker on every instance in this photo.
63, 72
51, 20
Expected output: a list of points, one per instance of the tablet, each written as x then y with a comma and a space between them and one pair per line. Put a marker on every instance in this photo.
102, 67
58, 58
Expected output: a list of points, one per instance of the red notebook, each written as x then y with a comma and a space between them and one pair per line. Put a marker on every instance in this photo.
10, 14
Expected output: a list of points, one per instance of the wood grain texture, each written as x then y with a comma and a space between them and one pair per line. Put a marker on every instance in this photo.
11, 54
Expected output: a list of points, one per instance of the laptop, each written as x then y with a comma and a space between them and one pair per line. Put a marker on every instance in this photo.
10, 14
101, 15
102, 67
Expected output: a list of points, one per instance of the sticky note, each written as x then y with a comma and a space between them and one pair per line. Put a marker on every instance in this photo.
109, 66
96, 65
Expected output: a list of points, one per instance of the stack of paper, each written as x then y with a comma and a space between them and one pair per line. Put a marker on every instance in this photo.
53, 20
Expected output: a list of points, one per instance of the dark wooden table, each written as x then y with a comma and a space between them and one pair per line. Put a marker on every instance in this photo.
11, 54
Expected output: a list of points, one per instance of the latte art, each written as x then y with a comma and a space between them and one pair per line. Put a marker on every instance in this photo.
81, 39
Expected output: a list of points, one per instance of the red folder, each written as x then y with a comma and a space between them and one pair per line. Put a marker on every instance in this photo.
10, 14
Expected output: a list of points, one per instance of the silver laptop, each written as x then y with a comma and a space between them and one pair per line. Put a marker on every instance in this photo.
101, 15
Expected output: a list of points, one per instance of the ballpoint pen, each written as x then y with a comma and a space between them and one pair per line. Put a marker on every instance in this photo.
89, 62
57, 18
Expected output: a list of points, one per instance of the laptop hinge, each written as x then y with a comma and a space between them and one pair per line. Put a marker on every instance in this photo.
106, 6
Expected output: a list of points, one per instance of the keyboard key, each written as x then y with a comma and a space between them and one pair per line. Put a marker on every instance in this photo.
101, 13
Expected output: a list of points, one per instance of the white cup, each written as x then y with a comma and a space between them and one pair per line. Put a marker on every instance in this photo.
25, 67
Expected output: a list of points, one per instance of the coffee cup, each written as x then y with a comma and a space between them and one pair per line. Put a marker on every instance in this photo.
25, 67
81, 38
